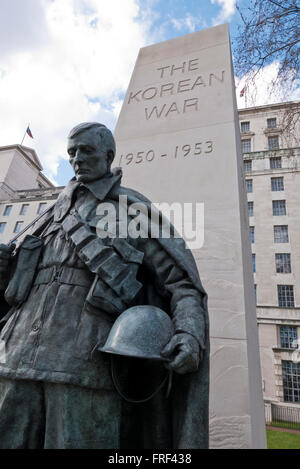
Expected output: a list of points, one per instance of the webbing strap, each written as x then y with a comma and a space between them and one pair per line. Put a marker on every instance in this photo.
67, 275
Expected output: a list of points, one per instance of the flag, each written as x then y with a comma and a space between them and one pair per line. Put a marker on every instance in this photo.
242, 92
28, 131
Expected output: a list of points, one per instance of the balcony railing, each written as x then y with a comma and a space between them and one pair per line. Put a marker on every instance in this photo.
282, 416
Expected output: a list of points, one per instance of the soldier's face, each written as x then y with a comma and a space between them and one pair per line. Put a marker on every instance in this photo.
87, 156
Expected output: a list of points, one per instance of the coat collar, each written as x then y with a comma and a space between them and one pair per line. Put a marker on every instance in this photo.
99, 189
103, 186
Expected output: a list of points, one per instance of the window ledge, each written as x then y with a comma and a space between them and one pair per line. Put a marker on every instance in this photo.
283, 349
273, 130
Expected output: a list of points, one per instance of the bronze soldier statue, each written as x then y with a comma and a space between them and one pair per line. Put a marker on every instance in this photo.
67, 286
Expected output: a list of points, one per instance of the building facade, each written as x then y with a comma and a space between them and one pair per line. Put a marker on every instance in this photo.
24, 191
271, 154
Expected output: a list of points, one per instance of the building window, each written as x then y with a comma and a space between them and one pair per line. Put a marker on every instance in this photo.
252, 234
283, 263
273, 142
288, 337
285, 295
42, 208
254, 263
250, 209
18, 227
7, 210
2, 227
281, 234
279, 207
245, 126
272, 123
24, 209
249, 185
255, 293
291, 381
248, 165
246, 145
275, 163
277, 184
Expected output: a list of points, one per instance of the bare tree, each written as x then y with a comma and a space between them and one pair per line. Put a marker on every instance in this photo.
269, 32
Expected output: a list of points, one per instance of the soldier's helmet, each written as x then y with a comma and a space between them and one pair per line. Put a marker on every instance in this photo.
135, 342
140, 332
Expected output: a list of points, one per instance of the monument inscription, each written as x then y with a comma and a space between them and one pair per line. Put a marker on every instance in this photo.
195, 84
180, 151
161, 109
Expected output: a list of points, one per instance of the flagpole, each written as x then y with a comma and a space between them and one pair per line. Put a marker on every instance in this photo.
245, 96
24, 134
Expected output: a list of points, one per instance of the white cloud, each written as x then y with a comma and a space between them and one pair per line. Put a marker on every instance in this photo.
23, 25
260, 91
77, 72
117, 107
227, 10
189, 22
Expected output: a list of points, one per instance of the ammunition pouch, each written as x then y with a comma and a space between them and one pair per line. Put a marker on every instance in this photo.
21, 282
102, 297
115, 266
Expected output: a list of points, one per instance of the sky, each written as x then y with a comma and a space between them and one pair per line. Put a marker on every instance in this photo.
68, 61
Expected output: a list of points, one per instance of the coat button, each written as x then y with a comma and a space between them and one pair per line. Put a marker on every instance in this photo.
35, 327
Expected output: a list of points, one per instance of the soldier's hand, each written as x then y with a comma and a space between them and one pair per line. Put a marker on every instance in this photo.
184, 352
5, 257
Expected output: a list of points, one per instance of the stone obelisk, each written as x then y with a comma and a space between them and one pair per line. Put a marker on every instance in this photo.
178, 141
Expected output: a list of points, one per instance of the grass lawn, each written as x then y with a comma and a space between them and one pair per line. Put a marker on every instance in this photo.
282, 440
294, 426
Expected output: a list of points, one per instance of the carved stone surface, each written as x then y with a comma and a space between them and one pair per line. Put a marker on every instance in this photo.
178, 141
229, 432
